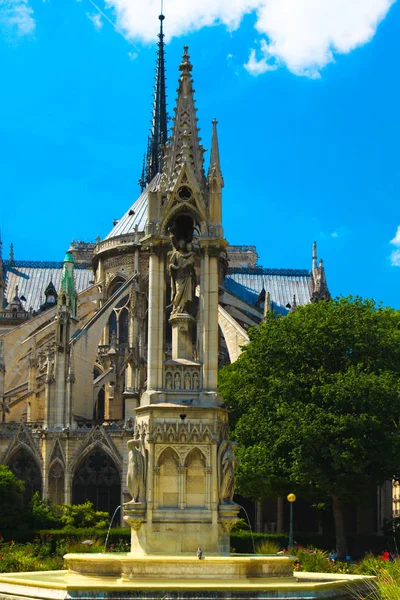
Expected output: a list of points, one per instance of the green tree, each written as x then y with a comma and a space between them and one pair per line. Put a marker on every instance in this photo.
316, 403
11, 499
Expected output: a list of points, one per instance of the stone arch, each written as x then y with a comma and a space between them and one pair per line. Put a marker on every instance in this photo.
97, 478
168, 479
195, 463
184, 209
112, 284
24, 464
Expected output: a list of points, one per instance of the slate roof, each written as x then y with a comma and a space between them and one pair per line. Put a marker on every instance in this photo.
137, 213
282, 284
32, 278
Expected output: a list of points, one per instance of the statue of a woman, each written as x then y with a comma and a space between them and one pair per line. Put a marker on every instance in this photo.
226, 472
136, 477
181, 268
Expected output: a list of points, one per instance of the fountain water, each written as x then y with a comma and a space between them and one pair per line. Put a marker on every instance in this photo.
249, 524
109, 527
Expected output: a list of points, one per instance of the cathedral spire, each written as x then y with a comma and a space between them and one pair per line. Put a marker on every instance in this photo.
214, 170
319, 286
185, 144
158, 134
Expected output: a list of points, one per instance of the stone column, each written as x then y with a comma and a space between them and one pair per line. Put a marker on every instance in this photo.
204, 303
213, 325
156, 483
208, 495
182, 472
161, 319
153, 323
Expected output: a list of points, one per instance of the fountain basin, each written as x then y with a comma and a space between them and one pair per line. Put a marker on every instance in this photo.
74, 585
132, 566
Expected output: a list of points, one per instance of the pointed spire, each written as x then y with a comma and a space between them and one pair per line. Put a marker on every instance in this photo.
158, 134
267, 305
294, 304
214, 170
11, 260
142, 180
67, 295
318, 284
314, 255
185, 146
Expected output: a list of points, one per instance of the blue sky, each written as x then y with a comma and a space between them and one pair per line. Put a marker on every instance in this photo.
306, 94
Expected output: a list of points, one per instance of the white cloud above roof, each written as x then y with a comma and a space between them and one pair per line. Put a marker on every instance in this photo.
17, 15
303, 35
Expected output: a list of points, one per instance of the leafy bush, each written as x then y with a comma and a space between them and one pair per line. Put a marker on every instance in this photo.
240, 525
83, 515
43, 514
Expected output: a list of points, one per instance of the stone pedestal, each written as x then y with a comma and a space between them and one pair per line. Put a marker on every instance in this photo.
182, 340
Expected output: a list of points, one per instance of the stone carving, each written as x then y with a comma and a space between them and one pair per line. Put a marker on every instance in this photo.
177, 381
178, 378
181, 451
177, 431
136, 477
181, 269
168, 381
195, 381
187, 382
226, 464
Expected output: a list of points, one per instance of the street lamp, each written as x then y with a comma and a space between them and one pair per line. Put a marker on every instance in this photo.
291, 498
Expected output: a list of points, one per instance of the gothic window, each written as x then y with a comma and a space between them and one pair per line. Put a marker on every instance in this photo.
98, 409
24, 466
97, 479
118, 323
56, 483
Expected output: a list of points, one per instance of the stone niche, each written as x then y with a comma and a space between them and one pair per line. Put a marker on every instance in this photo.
182, 376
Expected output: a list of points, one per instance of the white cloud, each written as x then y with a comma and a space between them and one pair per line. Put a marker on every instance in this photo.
395, 258
17, 15
303, 35
96, 20
133, 55
395, 255
396, 240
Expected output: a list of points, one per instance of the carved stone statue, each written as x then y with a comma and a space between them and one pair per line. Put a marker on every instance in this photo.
226, 472
136, 477
181, 268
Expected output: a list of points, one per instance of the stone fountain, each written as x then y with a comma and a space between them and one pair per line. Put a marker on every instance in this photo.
181, 462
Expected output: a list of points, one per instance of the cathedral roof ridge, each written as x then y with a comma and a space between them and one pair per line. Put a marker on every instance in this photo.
268, 271
41, 264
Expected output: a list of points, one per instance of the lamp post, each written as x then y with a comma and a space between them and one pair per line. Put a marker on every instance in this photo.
291, 498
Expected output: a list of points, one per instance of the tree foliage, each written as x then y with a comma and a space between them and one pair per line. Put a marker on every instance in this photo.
11, 499
316, 401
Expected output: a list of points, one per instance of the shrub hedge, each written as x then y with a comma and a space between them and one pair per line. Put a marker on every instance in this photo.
241, 541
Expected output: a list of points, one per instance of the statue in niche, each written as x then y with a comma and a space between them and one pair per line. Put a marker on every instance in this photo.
226, 464
177, 381
168, 379
187, 382
136, 477
181, 269
195, 381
